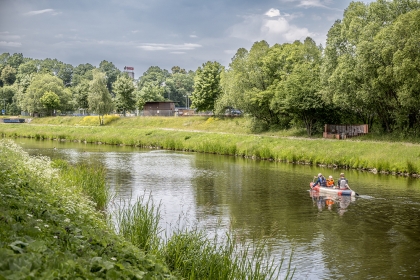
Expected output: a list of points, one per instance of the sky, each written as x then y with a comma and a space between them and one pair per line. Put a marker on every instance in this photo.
164, 33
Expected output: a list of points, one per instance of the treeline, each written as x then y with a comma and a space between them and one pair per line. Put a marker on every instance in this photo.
368, 72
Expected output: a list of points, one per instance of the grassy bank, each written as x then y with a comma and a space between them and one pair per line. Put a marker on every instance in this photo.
50, 229
229, 137
53, 226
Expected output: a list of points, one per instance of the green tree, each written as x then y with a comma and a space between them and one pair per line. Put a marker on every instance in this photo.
124, 90
50, 101
8, 75
179, 86
111, 73
81, 72
207, 87
81, 93
148, 93
100, 100
7, 94
30, 101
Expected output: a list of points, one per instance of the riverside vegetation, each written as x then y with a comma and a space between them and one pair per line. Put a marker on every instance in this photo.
54, 224
231, 136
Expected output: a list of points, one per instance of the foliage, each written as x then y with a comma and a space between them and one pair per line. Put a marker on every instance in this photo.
358, 71
233, 137
124, 91
207, 86
40, 84
139, 223
111, 73
179, 86
93, 121
99, 99
8, 75
50, 101
297, 94
50, 229
81, 94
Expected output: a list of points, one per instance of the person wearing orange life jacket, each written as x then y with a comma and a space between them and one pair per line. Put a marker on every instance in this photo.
330, 182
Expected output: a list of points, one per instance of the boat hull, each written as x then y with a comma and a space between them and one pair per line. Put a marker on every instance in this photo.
332, 191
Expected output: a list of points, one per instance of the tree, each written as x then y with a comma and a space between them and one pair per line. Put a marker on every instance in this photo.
81, 93
297, 91
124, 89
207, 86
111, 73
147, 94
179, 87
50, 101
30, 101
8, 75
100, 100
81, 72
7, 93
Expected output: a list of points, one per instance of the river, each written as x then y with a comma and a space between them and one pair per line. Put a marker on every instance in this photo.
375, 236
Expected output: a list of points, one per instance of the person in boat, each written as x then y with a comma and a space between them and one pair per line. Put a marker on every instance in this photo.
330, 182
320, 180
343, 183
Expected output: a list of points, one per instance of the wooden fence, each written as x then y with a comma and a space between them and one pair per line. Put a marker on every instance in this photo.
344, 131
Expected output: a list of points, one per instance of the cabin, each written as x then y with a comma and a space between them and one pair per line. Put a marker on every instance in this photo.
159, 108
335, 131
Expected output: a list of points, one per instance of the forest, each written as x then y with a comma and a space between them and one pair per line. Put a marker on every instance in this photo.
368, 72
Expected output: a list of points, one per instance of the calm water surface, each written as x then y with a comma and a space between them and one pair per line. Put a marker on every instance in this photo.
376, 236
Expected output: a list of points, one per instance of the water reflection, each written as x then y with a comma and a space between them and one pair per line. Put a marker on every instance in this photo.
331, 202
374, 236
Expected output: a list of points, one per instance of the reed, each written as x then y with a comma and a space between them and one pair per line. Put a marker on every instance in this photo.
49, 229
139, 222
88, 179
190, 254
225, 137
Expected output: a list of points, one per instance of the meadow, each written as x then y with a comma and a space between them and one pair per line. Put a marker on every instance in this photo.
229, 136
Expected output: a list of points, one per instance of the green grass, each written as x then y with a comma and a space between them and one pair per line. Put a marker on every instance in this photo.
231, 136
50, 230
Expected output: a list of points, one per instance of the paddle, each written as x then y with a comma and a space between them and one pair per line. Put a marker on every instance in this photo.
352, 190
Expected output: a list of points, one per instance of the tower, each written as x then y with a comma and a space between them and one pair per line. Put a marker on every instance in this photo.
130, 71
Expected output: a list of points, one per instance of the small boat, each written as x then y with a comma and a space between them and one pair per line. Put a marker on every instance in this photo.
332, 191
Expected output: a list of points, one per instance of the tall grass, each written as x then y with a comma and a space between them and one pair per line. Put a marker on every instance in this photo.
49, 228
190, 253
139, 222
231, 137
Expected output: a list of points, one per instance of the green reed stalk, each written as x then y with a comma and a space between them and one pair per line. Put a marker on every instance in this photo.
89, 179
191, 255
139, 222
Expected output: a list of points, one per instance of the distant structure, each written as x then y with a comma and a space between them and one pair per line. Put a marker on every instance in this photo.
344, 131
130, 71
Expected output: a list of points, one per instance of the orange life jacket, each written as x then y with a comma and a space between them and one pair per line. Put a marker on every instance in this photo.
330, 182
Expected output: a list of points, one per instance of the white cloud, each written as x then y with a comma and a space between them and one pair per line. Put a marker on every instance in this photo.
10, 44
193, 36
275, 29
170, 47
273, 13
7, 36
38, 12
311, 3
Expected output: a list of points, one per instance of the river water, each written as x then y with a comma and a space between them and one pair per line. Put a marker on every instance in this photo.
375, 236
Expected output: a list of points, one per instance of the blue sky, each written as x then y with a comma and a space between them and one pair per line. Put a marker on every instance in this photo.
163, 33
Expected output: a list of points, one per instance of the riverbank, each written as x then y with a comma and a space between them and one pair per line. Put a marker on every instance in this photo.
51, 229
229, 137
54, 225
